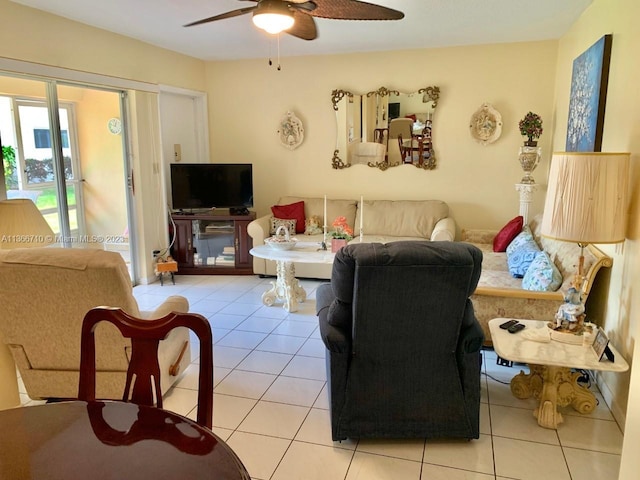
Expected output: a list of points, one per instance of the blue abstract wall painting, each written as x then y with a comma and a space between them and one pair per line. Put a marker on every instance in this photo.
588, 97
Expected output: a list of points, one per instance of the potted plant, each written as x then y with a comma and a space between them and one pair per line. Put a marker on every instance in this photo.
341, 234
531, 127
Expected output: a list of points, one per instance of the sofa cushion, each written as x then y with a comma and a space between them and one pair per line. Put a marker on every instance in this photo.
401, 218
335, 208
288, 223
542, 275
523, 238
521, 257
291, 211
507, 234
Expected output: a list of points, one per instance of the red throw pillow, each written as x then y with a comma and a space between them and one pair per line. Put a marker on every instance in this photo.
507, 234
293, 210
412, 117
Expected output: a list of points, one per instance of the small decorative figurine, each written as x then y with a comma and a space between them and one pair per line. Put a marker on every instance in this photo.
570, 315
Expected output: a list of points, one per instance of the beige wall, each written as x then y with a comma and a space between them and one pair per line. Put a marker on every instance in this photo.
621, 133
247, 99
35, 36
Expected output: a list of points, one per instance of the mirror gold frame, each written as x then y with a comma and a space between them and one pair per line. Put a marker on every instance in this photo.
369, 134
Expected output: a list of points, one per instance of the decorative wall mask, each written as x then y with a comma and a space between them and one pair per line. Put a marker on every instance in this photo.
485, 125
291, 131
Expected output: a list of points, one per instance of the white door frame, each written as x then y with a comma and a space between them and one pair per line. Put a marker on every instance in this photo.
201, 121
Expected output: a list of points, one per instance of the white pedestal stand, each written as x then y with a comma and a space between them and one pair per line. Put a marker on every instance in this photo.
526, 191
285, 288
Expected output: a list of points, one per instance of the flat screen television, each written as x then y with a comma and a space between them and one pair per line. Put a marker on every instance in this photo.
211, 185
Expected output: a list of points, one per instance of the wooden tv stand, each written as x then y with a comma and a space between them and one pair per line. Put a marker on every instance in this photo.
212, 244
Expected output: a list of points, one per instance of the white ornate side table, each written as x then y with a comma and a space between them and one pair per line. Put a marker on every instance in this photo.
286, 287
550, 378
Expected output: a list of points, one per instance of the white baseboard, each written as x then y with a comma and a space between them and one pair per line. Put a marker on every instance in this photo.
619, 414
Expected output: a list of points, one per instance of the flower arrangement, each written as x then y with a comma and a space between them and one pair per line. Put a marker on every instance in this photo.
531, 127
341, 229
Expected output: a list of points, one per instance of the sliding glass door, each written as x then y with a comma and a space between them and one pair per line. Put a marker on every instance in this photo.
65, 149
35, 170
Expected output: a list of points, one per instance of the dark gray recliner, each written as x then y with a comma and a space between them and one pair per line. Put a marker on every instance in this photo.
403, 343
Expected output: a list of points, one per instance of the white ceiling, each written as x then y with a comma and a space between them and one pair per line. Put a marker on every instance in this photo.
427, 24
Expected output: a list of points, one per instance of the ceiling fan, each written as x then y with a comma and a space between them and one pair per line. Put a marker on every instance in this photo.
295, 17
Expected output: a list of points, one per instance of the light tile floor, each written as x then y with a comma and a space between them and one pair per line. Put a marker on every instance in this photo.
271, 405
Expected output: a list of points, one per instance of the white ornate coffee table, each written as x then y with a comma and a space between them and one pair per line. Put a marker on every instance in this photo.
550, 378
286, 287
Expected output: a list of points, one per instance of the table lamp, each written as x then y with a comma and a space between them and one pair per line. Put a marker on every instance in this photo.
21, 225
586, 203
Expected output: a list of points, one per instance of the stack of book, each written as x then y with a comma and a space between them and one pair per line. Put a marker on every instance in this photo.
228, 256
217, 227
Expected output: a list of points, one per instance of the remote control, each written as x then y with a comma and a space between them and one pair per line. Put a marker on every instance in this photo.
508, 324
515, 328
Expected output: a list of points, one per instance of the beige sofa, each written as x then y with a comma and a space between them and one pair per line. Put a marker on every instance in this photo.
501, 295
383, 221
45, 293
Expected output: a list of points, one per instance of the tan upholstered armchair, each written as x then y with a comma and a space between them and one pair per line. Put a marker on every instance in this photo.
44, 295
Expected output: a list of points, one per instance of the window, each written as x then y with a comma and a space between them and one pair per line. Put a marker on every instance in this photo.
42, 138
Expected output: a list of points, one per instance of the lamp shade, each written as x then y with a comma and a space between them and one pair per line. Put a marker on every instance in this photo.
22, 225
587, 197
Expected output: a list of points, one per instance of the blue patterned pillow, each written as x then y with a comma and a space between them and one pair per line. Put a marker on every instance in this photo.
520, 258
542, 275
522, 238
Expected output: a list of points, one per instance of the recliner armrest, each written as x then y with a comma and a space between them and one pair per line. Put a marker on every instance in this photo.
334, 338
174, 303
471, 334
444, 230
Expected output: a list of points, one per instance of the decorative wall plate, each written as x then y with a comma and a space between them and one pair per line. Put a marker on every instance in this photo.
486, 124
291, 131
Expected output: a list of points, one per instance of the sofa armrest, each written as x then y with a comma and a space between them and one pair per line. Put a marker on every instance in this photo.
444, 230
258, 229
519, 293
174, 303
478, 236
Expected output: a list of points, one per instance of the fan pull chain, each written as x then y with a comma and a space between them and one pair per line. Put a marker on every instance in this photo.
279, 52
271, 61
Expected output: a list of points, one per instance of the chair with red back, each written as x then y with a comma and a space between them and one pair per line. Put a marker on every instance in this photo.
143, 375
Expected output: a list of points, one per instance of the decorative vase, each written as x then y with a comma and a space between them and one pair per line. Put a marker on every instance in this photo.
529, 158
337, 244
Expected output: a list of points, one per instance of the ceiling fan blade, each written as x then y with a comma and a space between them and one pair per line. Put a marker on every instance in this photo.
222, 16
353, 10
304, 26
308, 6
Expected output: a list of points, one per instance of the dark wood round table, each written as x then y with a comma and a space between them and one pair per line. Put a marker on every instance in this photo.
110, 440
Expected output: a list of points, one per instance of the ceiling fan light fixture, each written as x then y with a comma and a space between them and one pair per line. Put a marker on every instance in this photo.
273, 17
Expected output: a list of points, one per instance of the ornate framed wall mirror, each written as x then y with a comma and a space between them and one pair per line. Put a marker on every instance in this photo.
385, 128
